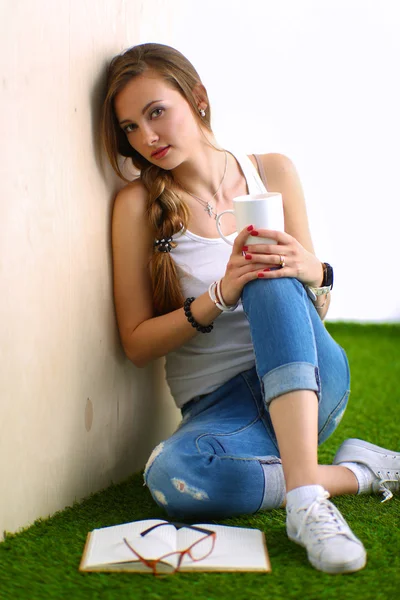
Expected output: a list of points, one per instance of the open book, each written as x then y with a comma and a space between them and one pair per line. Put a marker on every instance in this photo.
235, 548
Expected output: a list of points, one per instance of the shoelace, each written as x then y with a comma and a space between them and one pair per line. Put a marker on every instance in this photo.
382, 486
385, 489
324, 513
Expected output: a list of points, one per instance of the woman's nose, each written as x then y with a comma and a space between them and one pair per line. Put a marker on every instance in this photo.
149, 136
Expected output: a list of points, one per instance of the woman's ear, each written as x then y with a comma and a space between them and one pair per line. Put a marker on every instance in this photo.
200, 95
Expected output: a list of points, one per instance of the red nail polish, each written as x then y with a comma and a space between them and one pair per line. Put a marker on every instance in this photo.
260, 275
250, 228
245, 248
254, 233
266, 269
248, 257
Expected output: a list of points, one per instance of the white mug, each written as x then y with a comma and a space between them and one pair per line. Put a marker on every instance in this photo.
263, 211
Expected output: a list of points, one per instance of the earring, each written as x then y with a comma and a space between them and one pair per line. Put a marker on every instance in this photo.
202, 112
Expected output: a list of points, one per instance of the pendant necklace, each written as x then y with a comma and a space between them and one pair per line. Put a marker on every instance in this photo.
208, 207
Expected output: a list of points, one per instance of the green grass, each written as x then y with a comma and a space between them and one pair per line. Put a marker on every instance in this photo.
42, 561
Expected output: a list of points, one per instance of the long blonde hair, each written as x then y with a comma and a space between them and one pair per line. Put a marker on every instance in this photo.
167, 212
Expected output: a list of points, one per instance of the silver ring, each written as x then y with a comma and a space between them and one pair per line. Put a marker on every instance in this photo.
282, 261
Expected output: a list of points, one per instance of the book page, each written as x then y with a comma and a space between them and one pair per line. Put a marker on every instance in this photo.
107, 546
236, 548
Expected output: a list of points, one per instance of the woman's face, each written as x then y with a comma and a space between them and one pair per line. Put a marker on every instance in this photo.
157, 120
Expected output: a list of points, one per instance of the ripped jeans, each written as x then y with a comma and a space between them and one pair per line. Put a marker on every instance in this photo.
223, 460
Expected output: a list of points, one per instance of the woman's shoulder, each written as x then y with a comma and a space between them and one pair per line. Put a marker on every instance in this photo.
133, 189
132, 198
274, 160
131, 225
130, 211
278, 167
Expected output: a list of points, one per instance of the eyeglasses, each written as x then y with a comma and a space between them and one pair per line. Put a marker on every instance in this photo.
199, 550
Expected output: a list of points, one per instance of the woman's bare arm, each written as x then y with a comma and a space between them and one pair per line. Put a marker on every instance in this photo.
145, 337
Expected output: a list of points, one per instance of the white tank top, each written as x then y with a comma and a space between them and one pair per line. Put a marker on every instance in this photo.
210, 359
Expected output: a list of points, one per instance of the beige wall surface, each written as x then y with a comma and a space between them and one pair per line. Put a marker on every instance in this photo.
75, 413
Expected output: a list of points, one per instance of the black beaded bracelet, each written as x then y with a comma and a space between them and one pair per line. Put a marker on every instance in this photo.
191, 319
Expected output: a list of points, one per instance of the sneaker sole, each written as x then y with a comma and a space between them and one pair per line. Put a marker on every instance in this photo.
353, 450
350, 567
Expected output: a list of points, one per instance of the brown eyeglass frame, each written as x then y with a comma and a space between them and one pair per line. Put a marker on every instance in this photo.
152, 564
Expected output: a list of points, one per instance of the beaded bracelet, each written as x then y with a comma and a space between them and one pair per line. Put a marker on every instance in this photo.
191, 319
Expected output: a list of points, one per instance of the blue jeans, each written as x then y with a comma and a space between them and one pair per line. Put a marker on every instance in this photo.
223, 460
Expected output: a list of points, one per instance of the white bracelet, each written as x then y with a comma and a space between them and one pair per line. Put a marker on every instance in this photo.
222, 301
215, 290
211, 293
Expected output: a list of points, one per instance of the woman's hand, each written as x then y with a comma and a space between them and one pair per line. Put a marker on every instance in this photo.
240, 270
287, 258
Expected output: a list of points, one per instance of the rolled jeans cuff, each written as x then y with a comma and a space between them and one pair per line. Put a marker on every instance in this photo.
274, 487
289, 378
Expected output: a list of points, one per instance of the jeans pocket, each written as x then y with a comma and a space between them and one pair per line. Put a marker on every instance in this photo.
333, 420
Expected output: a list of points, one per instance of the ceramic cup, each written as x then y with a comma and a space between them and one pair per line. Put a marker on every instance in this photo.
263, 211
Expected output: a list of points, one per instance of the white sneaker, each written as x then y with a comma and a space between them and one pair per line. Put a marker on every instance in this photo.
331, 545
384, 464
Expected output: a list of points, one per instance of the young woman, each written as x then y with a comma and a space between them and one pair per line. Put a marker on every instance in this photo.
258, 378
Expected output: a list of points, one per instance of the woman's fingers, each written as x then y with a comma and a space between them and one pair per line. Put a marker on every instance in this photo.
244, 268
264, 259
281, 237
268, 249
262, 272
241, 239
260, 260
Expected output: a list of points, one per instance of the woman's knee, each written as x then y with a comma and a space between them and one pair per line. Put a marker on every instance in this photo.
279, 306
176, 480
284, 287
204, 485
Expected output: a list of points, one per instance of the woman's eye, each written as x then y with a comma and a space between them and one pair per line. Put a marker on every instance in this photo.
129, 128
157, 112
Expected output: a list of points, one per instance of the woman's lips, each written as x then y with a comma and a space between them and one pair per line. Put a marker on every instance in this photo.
161, 152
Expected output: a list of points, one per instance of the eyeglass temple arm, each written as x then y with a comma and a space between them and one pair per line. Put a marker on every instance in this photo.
177, 526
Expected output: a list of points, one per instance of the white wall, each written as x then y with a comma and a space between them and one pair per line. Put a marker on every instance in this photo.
316, 80
313, 79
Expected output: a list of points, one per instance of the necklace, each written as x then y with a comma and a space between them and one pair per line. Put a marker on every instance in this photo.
208, 207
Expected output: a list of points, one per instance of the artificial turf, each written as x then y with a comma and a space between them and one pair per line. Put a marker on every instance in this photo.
42, 562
